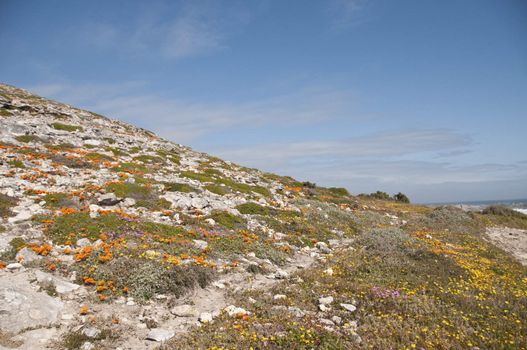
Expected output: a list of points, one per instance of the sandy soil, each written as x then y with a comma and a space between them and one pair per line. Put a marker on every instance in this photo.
512, 240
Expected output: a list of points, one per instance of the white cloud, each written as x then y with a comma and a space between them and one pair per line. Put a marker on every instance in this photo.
345, 13
394, 143
192, 29
184, 121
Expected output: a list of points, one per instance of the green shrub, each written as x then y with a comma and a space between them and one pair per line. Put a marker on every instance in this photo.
17, 164
148, 159
59, 200
197, 176
253, 209
227, 220
6, 203
401, 197
503, 211
28, 138
217, 189
144, 196
128, 167
65, 127
145, 279
178, 187
338, 191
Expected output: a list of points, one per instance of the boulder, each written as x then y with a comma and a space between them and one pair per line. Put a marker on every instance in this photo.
108, 199
160, 334
22, 307
184, 311
26, 255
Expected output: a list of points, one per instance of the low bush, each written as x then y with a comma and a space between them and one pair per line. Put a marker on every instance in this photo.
65, 127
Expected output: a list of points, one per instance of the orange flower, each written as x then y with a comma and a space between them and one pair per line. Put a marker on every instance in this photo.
103, 237
115, 321
84, 310
102, 297
43, 249
51, 266
125, 290
88, 280
2, 265
83, 253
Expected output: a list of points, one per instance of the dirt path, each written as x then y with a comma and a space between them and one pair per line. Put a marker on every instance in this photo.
512, 240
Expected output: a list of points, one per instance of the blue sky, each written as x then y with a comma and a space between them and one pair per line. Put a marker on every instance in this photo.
424, 97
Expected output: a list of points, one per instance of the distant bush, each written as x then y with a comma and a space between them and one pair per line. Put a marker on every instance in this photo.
308, 184
401, 197
502, 211
338, 191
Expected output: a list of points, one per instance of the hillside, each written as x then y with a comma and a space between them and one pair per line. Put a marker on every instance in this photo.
111, 237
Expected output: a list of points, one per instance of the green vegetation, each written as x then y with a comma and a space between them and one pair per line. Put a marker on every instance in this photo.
217, 189
148, 159
66, 127
6, 203
498, 215
4, 112
16, 164
253, 209
75, 339
227, 220
178, 187
434, 284
338, 191
128, 167
144, 195
28, 138
70, 162
398, 197
60, 200
201, 177
145, 279
98, 157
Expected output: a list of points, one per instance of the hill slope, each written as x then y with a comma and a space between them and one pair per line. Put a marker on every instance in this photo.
113, 237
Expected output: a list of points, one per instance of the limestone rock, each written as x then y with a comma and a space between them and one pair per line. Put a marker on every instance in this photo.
160, 334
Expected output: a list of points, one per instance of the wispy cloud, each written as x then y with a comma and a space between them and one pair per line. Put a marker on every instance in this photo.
387, 144
173, 32
184, 121
346, 13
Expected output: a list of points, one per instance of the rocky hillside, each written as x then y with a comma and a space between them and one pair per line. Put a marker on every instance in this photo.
111, 237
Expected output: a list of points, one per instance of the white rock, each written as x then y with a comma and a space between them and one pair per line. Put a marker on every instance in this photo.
281, 274
210, 221
26, 255
128, 202
22, 216
234, 311
61, 286
83, 242
92, 142
279, 297
205, 317
14, 267
323, 308
91, 332
349, 307
184, 311
160, 334
199, 244
325, 300
108, 199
